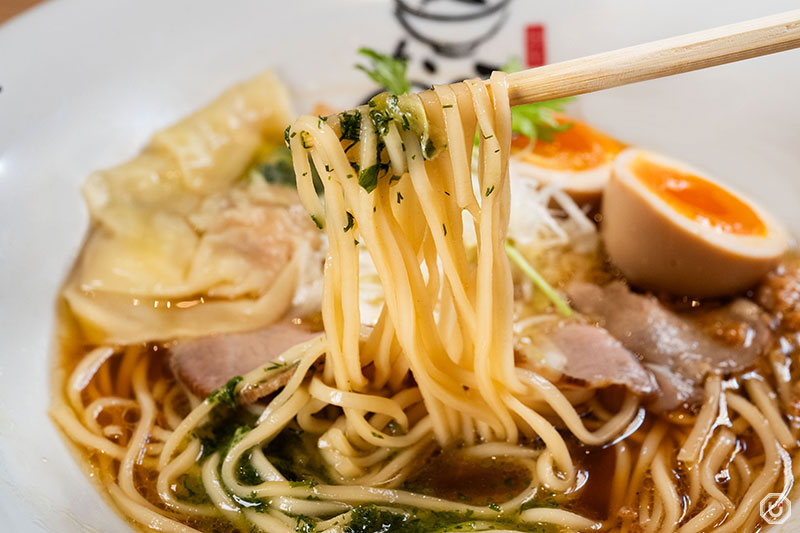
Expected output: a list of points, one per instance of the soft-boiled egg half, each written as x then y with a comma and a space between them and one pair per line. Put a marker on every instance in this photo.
668, 226
579, 159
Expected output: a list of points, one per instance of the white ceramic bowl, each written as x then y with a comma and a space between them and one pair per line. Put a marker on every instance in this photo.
85, 83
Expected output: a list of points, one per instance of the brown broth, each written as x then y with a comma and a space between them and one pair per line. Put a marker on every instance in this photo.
597, 464
457, 476
450, 474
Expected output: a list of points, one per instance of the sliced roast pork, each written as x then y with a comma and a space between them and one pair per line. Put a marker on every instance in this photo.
204, 364
675, 389
594, 357
681, 349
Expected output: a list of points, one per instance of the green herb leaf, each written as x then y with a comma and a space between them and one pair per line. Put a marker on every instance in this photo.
238, 435
350, 222
275, 365
394, 429
286, 134
350, 126
381, 119
429, 150
371, 519
535, 121
387, 71
246, 472
225, 395
538, 121
368, 178
305, 524
278, 168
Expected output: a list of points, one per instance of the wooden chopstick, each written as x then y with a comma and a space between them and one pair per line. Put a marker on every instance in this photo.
657, 59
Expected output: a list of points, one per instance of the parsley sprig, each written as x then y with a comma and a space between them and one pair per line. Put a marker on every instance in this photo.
537, 121
226, 394
387, 71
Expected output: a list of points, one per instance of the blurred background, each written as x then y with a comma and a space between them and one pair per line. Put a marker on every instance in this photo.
13, 7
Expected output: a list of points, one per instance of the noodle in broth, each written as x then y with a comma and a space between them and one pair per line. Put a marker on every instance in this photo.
434, 380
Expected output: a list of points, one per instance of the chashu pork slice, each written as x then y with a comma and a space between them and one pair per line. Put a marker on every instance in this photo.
679, 348
203, 364
591, 356
595, 357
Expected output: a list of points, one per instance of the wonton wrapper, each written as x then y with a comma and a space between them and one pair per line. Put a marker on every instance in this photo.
180, 244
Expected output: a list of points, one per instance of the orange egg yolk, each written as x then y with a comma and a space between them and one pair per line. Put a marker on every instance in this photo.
580, 147
698, 199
